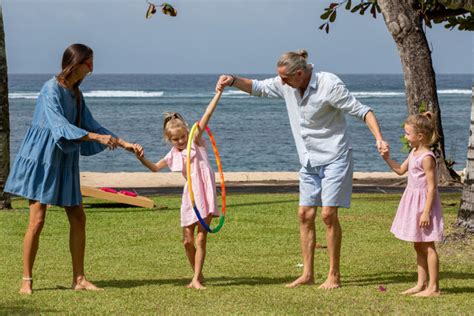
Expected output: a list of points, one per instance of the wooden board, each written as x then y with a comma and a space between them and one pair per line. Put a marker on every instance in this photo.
117, 197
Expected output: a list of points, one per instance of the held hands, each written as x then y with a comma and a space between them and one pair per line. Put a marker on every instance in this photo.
425, 220
224, 81
138, 150
107, 140
384, 148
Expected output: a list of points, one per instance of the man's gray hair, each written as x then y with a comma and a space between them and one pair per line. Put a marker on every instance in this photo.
294, 61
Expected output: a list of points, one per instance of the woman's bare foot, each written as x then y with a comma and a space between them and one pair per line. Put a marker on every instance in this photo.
196, 284
302, 280
332, 282
413, 290
82, 284
428, 293
26, 287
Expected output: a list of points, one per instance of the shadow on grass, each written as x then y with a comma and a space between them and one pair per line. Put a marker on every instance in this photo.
124, 208
262, 203
217, 281
410, 277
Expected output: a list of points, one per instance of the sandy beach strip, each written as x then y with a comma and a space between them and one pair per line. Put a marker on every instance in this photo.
175, 179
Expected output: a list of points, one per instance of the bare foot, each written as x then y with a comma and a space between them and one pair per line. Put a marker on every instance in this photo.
83, 284
332, 282
196, 284
302, 280
428, 293
26, 287
413, 290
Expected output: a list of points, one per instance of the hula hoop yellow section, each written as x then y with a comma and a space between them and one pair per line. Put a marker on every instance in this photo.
221, 175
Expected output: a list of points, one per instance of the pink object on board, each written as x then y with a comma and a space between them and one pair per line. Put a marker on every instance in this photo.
109, 190
124, 192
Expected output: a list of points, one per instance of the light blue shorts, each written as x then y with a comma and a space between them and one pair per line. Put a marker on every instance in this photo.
327, 185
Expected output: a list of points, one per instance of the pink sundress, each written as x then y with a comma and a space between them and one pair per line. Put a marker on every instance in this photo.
203, 180
405, 226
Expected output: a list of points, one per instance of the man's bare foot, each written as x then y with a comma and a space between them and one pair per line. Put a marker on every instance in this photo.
83, 284
413, 290
26, 287
196, 284
428, 293
302, 280
332, 282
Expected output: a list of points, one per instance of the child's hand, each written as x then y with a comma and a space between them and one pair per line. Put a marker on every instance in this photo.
425, 220
385, 153
138, 150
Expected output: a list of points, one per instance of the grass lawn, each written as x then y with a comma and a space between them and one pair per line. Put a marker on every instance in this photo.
137, 256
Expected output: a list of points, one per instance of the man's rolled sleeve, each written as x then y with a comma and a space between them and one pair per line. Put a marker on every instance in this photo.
342, 99
270, 88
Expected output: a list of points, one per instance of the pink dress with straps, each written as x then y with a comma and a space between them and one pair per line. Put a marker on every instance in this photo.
406, 223
203, 180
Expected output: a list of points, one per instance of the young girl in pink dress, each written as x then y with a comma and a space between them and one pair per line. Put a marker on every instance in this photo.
419, 218
176, 131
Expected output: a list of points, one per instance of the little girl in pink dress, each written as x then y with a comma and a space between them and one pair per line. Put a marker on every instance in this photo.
419, 218
176, 132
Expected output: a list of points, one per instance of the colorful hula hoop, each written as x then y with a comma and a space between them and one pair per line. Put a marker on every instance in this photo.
190, 184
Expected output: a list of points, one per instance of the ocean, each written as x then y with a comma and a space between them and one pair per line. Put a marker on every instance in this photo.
252, 134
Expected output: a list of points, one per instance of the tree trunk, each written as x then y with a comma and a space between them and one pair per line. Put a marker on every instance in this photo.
466, 208
4, 121
404, 22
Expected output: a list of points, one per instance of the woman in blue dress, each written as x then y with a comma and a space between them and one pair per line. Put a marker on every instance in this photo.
46, 169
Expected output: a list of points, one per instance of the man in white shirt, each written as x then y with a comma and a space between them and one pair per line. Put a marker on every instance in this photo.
316, 103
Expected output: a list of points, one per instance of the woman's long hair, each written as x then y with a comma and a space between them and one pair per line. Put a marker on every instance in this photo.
73, 56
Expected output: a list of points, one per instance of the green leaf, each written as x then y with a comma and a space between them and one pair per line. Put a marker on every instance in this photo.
364, 8
332, 18
322, 26
348, 5
357, 7
327, 28
422, 107
378, 8
373, 11
326, 14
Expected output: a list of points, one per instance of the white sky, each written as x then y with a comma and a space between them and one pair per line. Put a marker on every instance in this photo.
210, 36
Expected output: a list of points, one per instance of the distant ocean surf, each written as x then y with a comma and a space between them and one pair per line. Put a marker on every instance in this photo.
253, 134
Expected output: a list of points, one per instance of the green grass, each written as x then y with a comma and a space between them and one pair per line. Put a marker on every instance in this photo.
137, 256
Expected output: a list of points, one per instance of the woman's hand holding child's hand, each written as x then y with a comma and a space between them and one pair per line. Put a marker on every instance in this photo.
107, 140
138, 150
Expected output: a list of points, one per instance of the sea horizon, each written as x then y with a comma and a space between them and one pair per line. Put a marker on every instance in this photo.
253, 134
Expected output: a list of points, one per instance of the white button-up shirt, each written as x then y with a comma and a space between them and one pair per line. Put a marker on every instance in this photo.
317, 119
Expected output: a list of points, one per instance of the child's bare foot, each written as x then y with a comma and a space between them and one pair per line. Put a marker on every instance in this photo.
302, 280
413, 290
82, 284
196, 284
332, 282
26, 287
428, 293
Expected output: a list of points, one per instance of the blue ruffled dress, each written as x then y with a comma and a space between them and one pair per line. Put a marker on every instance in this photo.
46, 168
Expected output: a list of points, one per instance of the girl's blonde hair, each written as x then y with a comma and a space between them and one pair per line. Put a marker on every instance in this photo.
425, 124
172, 120
294, 61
